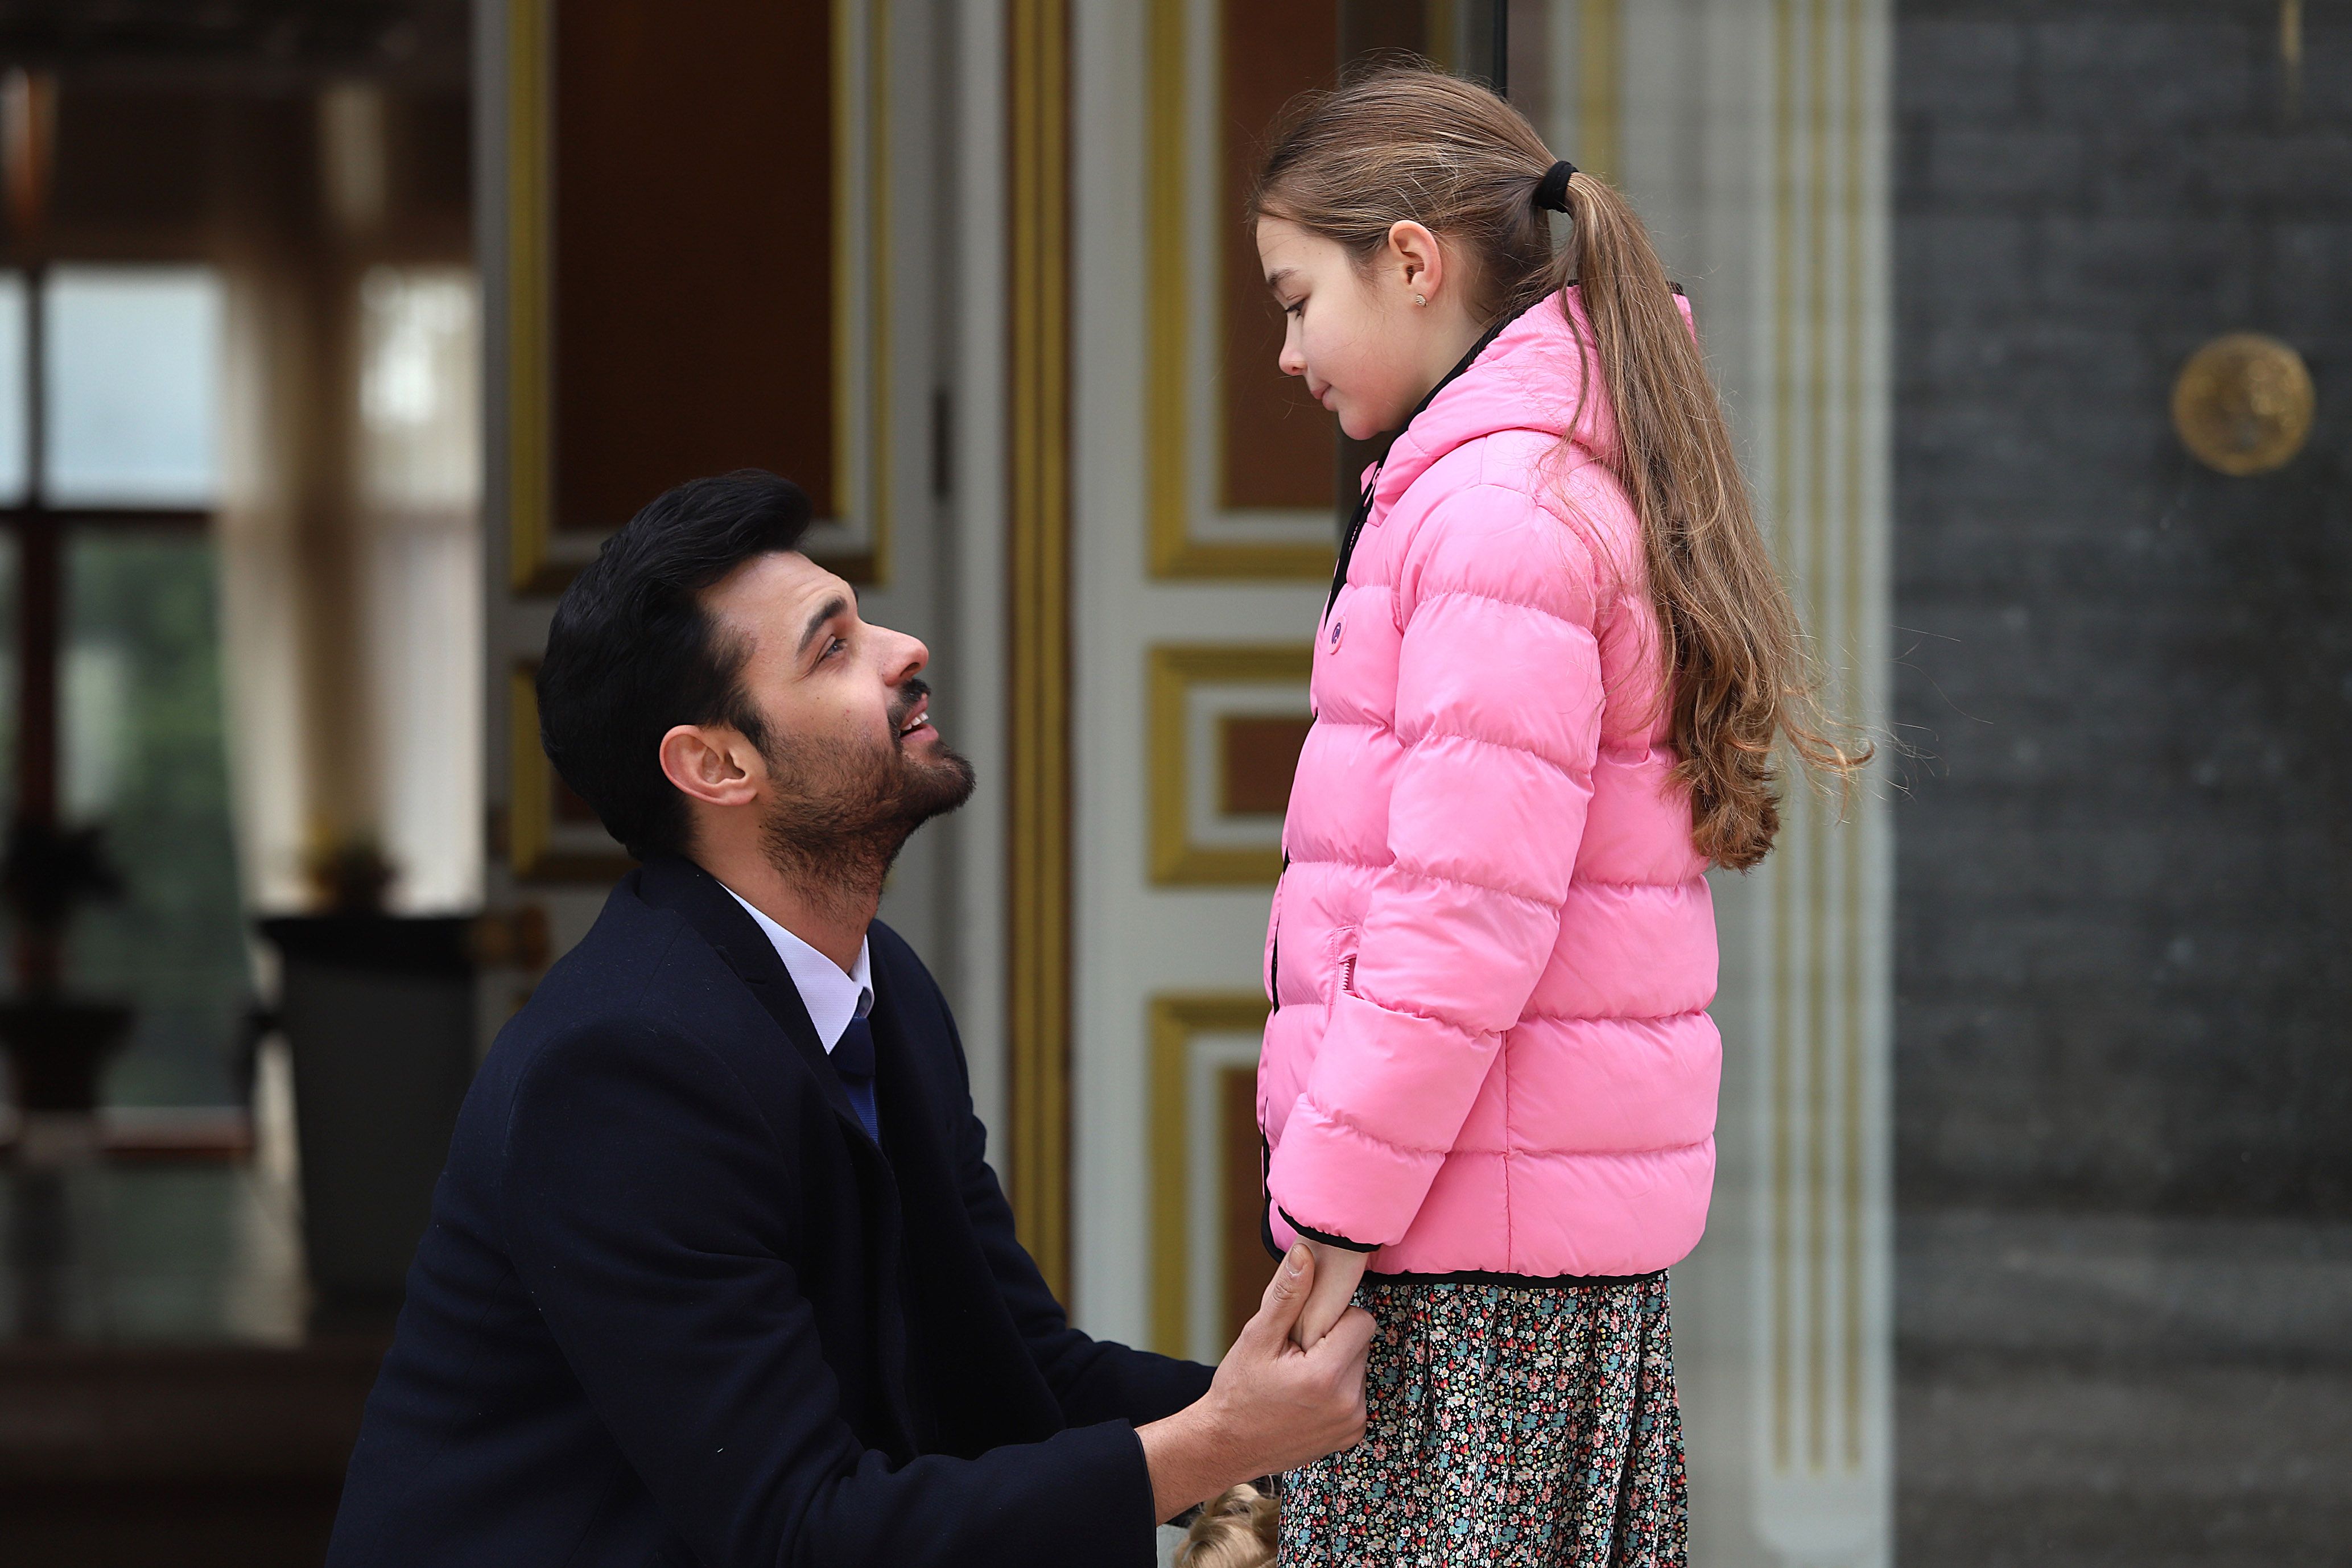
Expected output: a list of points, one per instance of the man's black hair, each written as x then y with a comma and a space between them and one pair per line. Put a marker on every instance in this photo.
632, 653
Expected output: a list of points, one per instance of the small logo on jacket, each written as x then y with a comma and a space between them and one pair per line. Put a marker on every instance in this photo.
1338, 626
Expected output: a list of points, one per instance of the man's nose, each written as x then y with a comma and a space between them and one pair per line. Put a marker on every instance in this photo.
910, 656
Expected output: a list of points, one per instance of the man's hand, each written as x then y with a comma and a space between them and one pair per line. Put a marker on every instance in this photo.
1273, 1406
1337, 1271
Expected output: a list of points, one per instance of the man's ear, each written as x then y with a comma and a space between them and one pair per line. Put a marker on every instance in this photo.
713, 763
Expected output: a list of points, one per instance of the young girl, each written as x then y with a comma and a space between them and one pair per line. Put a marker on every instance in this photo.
1546, 686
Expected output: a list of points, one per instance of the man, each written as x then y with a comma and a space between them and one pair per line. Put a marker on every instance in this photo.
717, 1273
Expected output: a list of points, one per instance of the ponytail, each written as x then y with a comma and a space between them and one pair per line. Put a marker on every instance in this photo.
1732, 640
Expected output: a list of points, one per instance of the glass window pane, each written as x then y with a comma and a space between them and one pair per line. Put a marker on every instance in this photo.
420, 444
144, 755
131, 384
12, 388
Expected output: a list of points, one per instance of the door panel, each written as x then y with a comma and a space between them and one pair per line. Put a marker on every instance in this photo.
687, 220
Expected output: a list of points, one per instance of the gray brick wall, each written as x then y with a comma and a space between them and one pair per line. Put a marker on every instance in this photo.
2124, 968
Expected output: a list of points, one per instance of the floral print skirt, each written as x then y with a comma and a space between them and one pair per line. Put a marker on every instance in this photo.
1532, 1426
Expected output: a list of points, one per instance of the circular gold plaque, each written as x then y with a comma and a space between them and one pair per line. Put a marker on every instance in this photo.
2243, 403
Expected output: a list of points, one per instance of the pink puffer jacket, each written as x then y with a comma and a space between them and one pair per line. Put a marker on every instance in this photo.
1493, 949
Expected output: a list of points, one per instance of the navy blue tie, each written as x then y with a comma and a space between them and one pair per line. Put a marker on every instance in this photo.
853, 1059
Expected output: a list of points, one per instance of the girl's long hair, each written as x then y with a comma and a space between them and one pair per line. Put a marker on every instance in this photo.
1414, 143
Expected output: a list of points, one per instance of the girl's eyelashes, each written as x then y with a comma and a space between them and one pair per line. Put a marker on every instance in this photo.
1295, 308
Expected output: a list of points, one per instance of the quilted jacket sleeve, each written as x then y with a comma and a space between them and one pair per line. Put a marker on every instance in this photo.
1498, 710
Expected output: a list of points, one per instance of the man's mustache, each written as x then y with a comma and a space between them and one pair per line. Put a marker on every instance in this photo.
913, 691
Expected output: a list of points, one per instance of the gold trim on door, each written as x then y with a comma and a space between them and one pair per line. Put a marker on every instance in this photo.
1601, 69
530, 524
1176, 1021
1819, 1058
1037, 847
535, 563
872, 564
1173, 670
1172, 401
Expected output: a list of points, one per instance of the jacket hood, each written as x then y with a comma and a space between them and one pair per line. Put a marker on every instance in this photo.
1532, 377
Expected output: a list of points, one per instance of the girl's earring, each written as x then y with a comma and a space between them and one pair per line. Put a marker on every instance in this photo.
1419, 299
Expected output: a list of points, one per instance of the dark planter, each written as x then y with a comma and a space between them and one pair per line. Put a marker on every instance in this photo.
379, 1016
58, 1050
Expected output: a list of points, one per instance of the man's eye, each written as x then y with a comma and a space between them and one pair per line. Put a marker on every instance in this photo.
832, 646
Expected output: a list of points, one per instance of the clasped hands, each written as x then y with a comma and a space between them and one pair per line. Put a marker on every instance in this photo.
1290, 1390
1337, 1271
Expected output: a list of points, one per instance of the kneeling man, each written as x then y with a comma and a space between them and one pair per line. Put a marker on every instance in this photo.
717, 1273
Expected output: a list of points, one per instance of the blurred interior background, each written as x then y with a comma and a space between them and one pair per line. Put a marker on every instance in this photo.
335, 333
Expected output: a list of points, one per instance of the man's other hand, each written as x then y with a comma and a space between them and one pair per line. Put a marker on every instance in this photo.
1273, 1405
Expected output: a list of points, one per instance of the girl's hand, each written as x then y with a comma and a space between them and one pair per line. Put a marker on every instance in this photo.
1337, 1271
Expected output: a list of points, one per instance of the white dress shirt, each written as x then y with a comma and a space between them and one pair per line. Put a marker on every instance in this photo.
831, 997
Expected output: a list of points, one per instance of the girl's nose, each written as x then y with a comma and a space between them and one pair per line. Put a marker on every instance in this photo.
1293, 360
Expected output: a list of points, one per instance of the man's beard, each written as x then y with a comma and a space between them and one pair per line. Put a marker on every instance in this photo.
838, 818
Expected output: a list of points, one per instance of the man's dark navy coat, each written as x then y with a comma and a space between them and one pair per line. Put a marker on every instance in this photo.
677, 1308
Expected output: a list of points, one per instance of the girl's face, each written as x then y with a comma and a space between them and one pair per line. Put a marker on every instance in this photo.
1370, 340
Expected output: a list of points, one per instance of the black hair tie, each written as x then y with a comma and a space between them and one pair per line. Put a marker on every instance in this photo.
1551, 191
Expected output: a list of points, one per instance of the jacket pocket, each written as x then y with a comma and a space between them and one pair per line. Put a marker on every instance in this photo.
1273, 943
1339, 962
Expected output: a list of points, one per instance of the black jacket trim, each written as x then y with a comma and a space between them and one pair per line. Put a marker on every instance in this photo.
1324, 1236
1266, 1196
1522, 1281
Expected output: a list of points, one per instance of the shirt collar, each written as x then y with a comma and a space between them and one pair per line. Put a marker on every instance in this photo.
831, 997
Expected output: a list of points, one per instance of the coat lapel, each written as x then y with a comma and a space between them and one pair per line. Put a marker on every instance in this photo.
688, 891
695, 896
988, 1389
